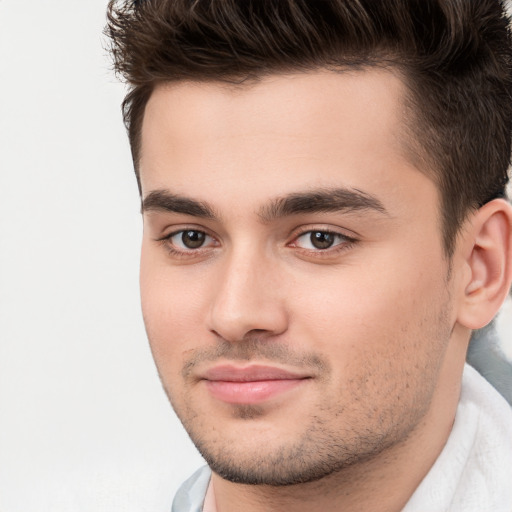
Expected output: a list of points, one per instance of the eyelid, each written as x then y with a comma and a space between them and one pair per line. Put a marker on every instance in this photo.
347, 241
312, 228
177, 251
184, 227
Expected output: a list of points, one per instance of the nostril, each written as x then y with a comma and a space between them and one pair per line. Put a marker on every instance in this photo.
252, 336
256, 332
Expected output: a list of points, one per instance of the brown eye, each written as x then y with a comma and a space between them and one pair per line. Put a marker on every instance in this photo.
193, 239
190, 239
322, 239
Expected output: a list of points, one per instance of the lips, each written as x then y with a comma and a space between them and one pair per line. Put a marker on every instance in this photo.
250, 385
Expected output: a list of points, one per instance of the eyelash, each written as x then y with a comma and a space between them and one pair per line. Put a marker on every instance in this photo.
182, 253
346, 243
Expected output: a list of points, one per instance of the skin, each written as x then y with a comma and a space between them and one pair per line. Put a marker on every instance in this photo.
373, 321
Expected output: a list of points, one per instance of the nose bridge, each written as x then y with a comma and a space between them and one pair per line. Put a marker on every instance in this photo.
246, 297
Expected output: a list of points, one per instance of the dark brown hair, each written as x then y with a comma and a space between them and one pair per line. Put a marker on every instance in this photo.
455, 57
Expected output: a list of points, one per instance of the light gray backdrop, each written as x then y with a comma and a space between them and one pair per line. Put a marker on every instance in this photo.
84, 424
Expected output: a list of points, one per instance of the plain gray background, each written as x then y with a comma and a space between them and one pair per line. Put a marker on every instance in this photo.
84, 424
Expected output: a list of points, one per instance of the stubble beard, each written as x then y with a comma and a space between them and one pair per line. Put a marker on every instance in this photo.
322, 449
315, 455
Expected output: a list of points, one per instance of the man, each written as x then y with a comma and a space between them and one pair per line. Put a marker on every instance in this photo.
323, 190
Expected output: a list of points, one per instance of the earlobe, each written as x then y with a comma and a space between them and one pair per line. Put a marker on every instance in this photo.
488, 255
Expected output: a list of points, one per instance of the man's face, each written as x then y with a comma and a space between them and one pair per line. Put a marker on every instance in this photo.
294, 286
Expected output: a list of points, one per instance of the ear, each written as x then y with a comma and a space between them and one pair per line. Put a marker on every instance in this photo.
487, 251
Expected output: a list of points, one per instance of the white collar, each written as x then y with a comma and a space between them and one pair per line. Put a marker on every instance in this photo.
473, 473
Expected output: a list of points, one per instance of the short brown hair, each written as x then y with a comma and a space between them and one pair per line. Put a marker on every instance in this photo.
455, 57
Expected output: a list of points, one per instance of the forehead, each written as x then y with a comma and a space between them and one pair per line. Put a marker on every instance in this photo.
269, 97
315, 129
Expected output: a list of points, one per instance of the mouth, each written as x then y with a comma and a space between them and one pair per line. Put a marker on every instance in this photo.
251, 384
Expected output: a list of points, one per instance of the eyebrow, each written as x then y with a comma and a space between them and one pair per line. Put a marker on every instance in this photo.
318, 200
321, 200
162, 200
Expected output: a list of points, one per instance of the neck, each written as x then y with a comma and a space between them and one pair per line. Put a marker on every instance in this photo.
384, 483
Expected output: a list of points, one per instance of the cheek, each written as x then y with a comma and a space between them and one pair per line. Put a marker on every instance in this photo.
384, 335
366, 313
172, 308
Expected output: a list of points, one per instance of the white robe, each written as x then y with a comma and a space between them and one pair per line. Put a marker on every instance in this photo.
473, 473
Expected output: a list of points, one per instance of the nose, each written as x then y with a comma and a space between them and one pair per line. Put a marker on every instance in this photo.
247, 298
